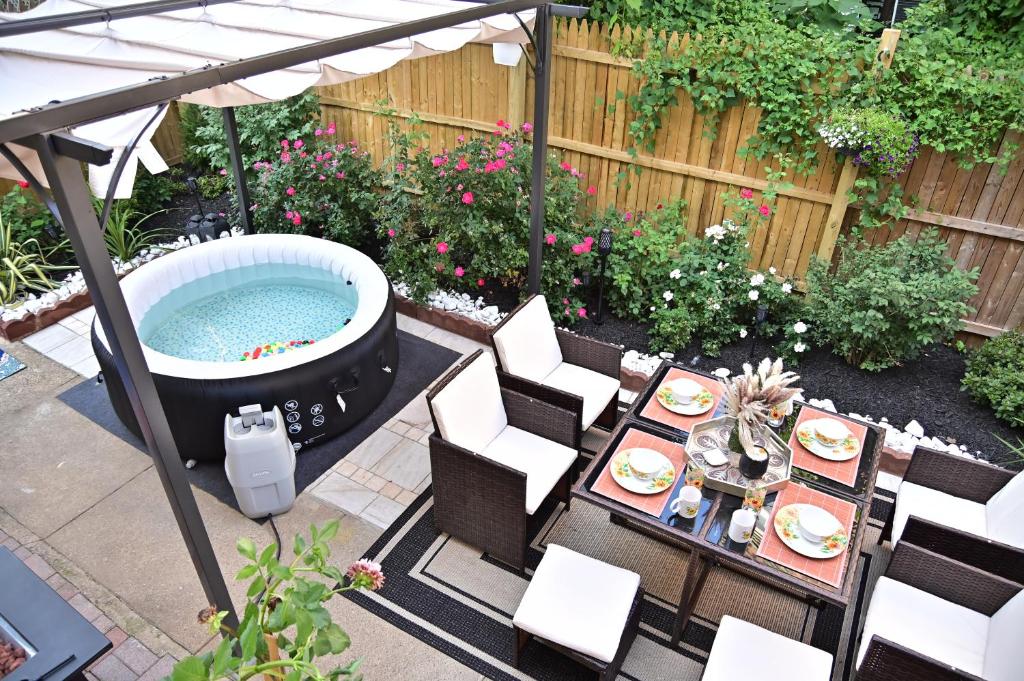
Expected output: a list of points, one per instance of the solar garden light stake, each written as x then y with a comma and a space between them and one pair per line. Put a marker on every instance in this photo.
759, 319
604, 249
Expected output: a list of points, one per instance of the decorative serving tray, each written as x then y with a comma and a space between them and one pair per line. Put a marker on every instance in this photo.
714, 434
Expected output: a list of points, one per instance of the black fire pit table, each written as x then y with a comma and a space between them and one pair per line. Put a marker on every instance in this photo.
58, 642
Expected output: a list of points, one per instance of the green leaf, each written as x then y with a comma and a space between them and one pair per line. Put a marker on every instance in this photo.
222, 657
246, 547
329, 530
246, 572
267, 554
190, 669
249, 638
258, 585
303, 626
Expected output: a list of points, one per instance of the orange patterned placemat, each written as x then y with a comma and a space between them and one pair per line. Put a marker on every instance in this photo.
828, 570
655, 412
840, 471
648, 503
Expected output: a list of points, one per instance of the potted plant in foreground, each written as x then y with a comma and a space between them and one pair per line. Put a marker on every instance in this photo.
285, 626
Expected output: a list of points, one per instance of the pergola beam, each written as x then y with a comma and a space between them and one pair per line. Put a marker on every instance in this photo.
96, 16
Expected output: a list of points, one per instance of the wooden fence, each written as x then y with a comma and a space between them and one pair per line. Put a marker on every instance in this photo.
980, 211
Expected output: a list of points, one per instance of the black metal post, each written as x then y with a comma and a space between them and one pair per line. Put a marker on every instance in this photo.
238, 169
542, 94
80, 224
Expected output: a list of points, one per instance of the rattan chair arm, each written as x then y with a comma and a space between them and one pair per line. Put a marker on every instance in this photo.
993, 557
950, 580
544, 393
957, 475
541, 418
604, 358
888, 661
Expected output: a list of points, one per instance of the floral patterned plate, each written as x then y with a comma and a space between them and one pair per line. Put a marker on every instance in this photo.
788, 528
844, 451
660, 482
699, 405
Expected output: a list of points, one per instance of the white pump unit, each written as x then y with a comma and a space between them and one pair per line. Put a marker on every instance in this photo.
260, 461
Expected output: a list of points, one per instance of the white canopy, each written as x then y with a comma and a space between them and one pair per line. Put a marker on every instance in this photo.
38, 68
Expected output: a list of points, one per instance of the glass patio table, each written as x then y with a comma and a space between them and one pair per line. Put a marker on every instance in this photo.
844, 488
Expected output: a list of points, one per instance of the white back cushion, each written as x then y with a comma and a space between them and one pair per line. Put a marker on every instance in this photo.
469, 410
1004, 511
1004, 654
526, 343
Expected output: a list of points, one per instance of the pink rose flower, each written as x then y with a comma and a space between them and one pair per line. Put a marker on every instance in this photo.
286, 157
628, 217
442, 247
391, 233
290, 191
592, 190
461, 138
318, 132
302, 154
322, 178
527, 127
298, 144
331, 129
765, 210
289, 215
582, 312
223, 172
297, 220
637, 232
503, 124
577, 249
746, 193
459, 271
400, 167
480, 282
284, 144
551, 239
588, 240
340, 176
576, 281
467, 198
365, 574
462, 164
566, 165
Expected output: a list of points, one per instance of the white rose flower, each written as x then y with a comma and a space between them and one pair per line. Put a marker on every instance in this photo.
787, 288
667, 295
675, 274
743, 333
753, 294
721, 266
716, 306
653, 308
757, 279
799, 347
800, 327
771, 270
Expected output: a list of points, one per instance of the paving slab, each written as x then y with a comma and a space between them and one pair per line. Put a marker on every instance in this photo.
417, 414
41, 378
347, 495
372, 449
406, 465
55, 464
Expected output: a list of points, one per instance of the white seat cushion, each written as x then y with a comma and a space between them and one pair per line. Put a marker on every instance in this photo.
595, 389
738, 643
1004, 654
1004, 511
578, 602
526, 344
543, 461
938, 507
927, 624
469, 410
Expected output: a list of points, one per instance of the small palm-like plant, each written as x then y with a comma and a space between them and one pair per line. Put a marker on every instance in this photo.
25, 266
750, 397
125, 238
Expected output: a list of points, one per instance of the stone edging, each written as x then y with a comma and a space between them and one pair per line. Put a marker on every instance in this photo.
15, 329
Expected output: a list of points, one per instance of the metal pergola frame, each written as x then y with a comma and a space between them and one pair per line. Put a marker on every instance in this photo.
61, 155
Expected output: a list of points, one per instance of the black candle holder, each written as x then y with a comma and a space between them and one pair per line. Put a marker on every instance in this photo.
604, 249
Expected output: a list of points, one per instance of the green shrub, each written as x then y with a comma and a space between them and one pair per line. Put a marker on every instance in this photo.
995, 376
884, 304
152, 192
261, 127
26, 217
25, 266
213, 186
124, 235
318, 187
642, 255
471, 225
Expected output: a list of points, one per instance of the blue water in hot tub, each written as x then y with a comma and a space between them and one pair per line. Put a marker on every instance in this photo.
219, 317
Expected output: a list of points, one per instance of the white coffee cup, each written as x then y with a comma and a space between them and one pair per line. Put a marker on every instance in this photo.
687, 503
741, 526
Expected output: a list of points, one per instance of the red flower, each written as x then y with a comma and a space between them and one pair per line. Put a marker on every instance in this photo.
479, 282
23, 184
550, 239
442, 247
746, 193
765, 210
467, 198
592, 190
636, 232
566, 166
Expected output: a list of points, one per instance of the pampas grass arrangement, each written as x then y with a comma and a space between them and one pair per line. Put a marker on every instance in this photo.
750, 397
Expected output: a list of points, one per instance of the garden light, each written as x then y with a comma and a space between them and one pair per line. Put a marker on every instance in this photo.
604, 249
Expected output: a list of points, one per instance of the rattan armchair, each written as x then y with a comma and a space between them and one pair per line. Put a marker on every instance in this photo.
495, 456
573, 372
918, 518
985, 611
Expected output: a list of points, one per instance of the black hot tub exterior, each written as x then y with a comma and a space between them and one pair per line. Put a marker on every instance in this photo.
310, 395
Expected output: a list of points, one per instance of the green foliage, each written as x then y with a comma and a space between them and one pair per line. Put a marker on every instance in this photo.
642, 255
124, 233
884, 304
995, 376
319, 187
152, 192
286, 604
830, 15
875, 140
25, 266
260, 128
471, 223
213, 186
27, 218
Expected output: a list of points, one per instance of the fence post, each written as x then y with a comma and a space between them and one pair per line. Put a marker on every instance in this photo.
517, 93
841, 200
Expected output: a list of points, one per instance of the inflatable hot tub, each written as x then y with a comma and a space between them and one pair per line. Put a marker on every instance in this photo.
275, 319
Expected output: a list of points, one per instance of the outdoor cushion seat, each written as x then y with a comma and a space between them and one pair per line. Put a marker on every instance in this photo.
926, 624
944, 509
595, 389
526, 344
738, 642
543, 461
582, 605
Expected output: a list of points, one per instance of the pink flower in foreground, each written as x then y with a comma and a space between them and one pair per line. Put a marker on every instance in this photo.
527, 127
318, 132
588, 240
628, 217
467, 198
340, 175
391, 233
503, 124
566, 165
566, 312
765, 210
297, 220
322, 178
284, 144
286, 157
442, 247
550, 239
23, 184
480, 282
365, 574
592, 190
582, 312
289, 215
462, 164
577, 249
637, 232
290, 191
459, 271
223, 172
576, 281
331, 129
298, 144
746, 193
